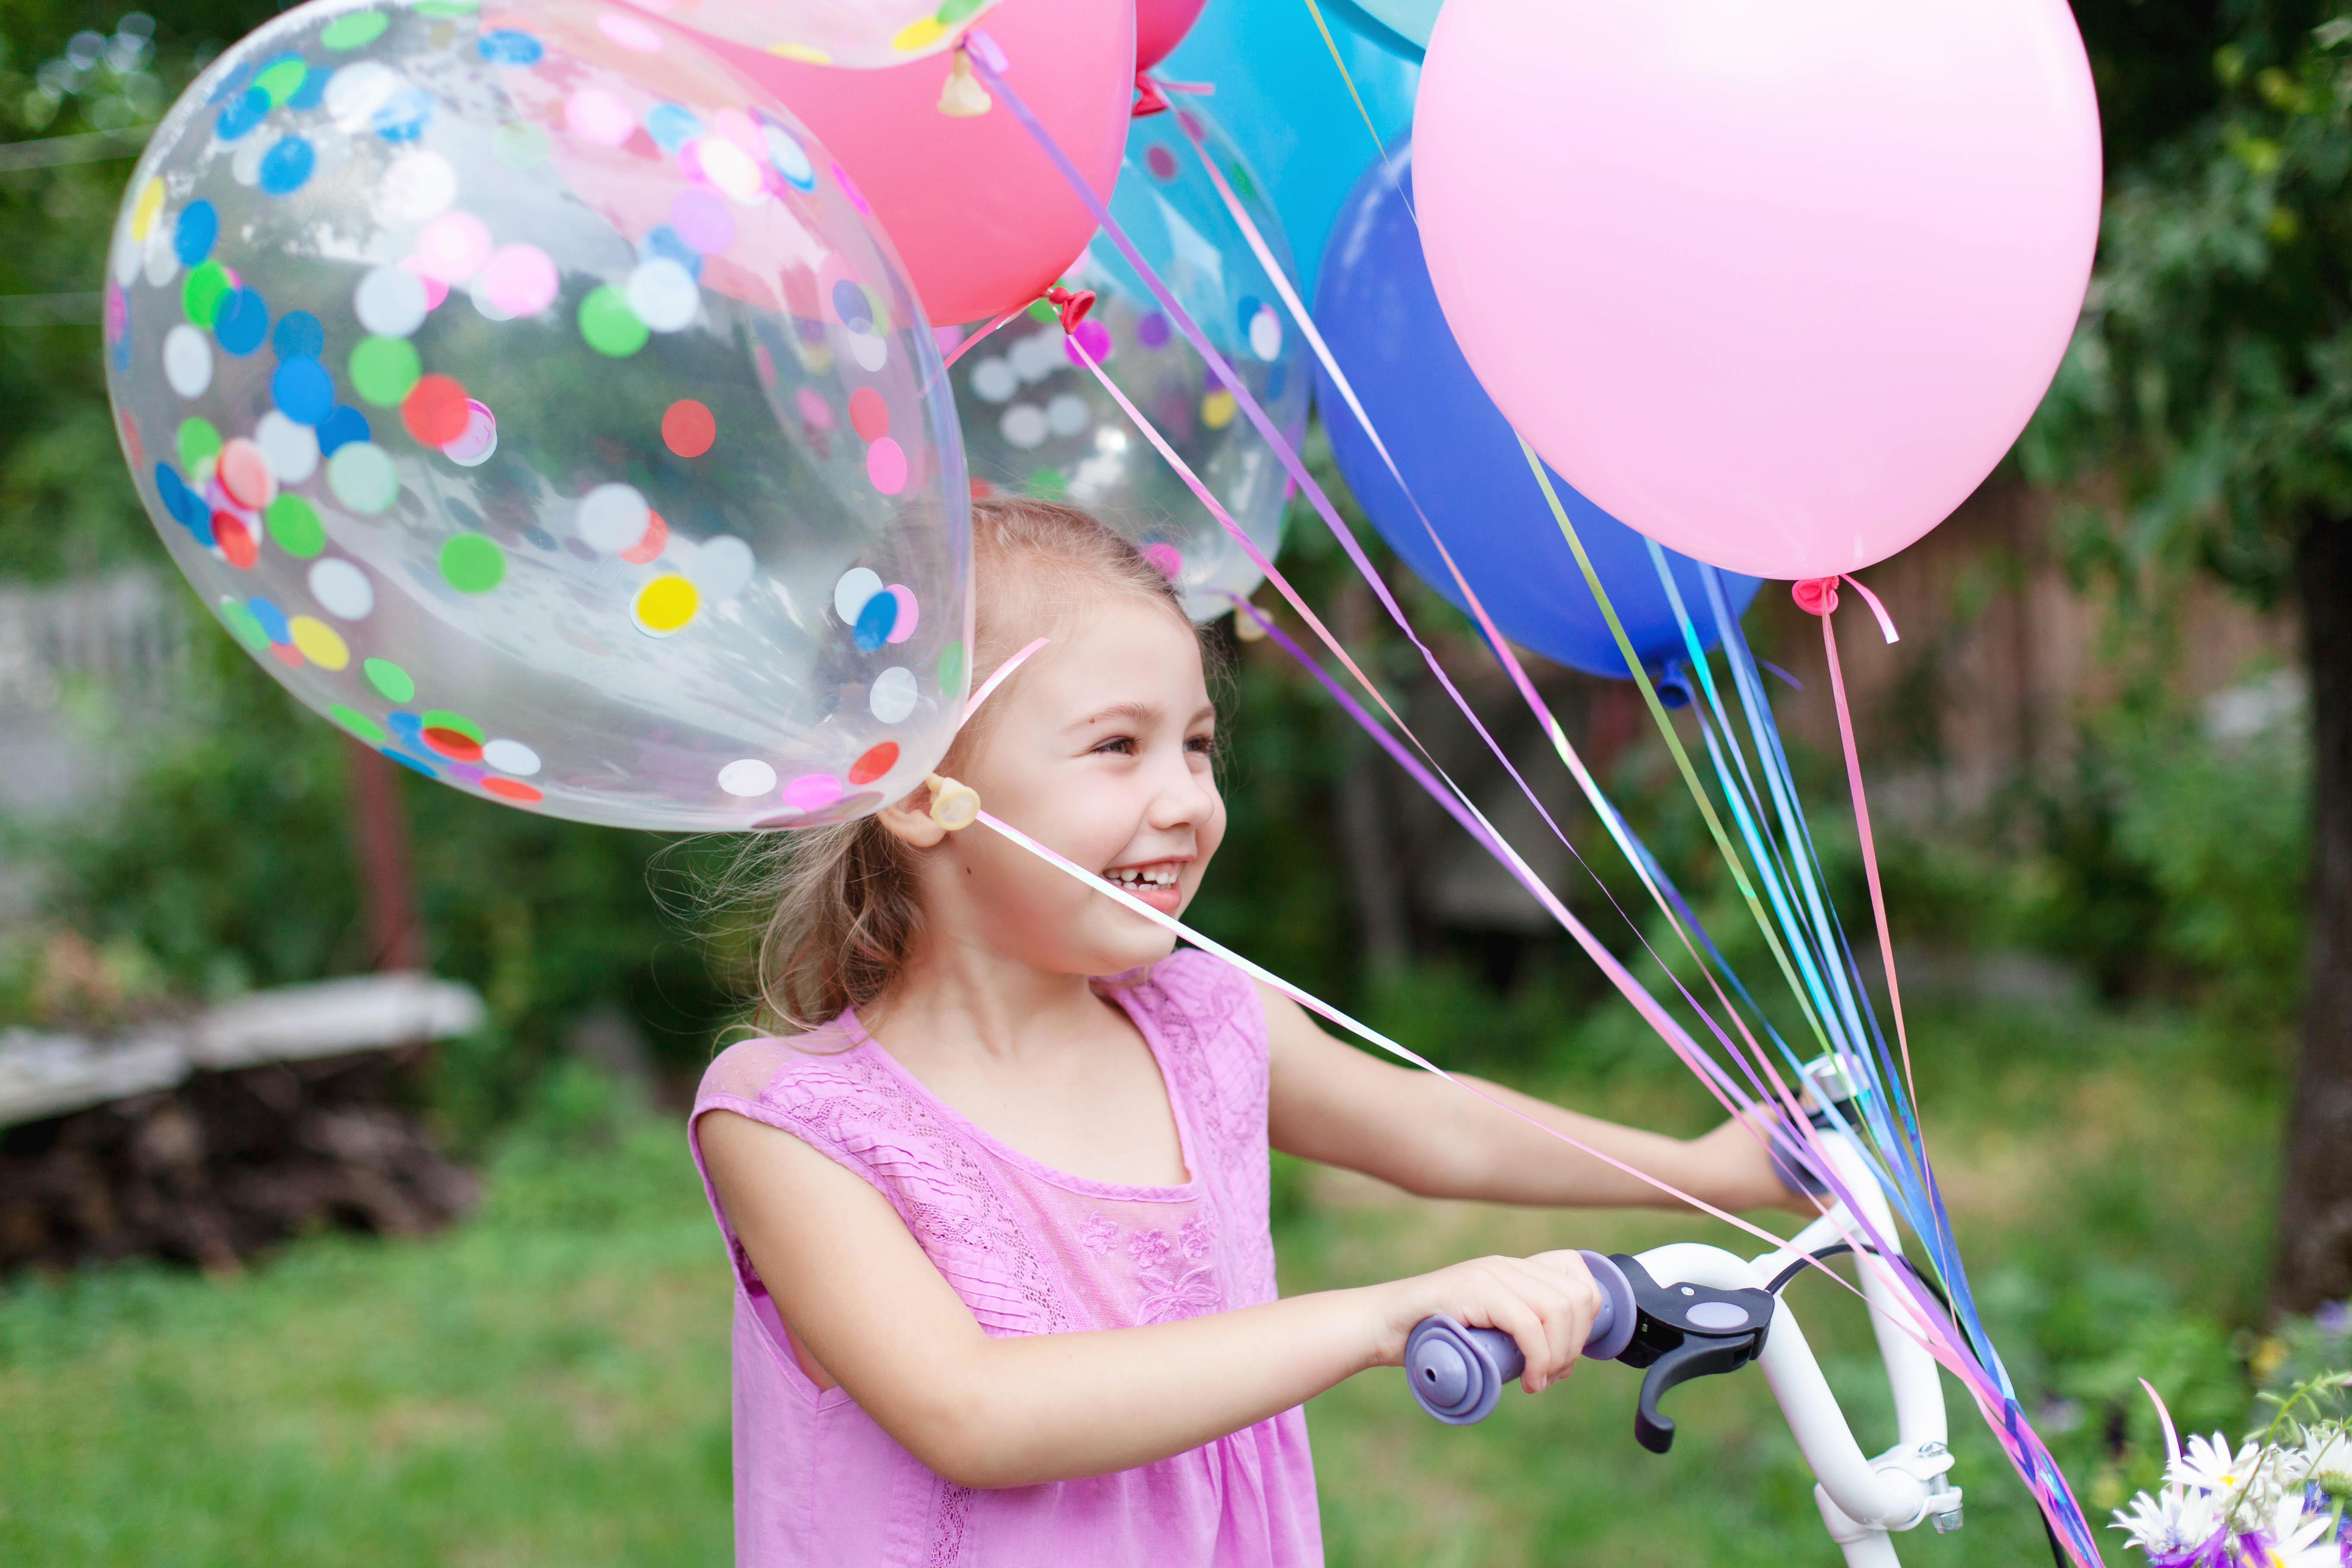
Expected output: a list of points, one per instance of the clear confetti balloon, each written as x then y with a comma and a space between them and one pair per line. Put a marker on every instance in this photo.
531, 395
1036, 421
864, 34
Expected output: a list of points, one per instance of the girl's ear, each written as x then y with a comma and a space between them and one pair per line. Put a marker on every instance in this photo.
910, 822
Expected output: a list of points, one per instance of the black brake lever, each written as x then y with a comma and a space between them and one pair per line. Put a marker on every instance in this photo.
1683, 1331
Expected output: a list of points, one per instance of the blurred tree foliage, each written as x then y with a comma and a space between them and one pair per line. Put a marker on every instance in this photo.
2205, 414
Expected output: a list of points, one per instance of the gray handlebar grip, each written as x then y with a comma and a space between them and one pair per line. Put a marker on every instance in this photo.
1457, 1374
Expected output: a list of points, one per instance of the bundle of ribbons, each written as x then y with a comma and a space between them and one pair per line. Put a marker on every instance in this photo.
1745, 1061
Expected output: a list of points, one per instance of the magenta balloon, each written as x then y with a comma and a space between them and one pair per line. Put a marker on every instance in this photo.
1777, 282
982, 220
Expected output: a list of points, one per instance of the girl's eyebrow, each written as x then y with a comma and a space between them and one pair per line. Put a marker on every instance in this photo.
1133, 712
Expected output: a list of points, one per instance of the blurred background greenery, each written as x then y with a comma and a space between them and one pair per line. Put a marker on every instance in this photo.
2092, 752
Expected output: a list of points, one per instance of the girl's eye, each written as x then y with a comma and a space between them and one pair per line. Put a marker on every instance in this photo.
1118, 745
1203, 745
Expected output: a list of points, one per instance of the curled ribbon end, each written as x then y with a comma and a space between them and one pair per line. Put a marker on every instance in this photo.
1815, 596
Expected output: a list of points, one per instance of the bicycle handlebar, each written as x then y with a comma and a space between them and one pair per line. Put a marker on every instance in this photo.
1685, 1310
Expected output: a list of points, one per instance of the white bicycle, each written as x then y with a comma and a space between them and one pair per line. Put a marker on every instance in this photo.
1687, 1310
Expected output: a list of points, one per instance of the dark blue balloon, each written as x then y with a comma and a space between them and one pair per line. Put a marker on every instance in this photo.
1380, 315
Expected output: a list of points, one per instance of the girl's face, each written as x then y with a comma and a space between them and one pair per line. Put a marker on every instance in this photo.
1100, 747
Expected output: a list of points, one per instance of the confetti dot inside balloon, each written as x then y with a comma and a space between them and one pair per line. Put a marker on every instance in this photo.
342, 589
298, 335
874, 622
1217, 409
352, 32
417, 184
195, 440
479, 440
510, 47
234, 541
1152, 330
1265, 333
269, 619
1092, 337
613, 517
813, 408
857, 585
629, 33
514, 790
1160, 161
321, 643
869, 415
1170, 561
688, 428
453, 246
599, 117
520, 279
886, 466
290, 449
391, 683
649, 546
663, 606
362, 477
287, 166
358, 723
454, 744
302, 389
344, 425
240, 322
812, 792
511, 757
701, 218
472, 563
662, 295
435, 410
892, 695
444, 719
875, 762
201, 295
187, 361
747, 777
722, 567
244, 474
389, 302
384, 369
293, 522
904, 626
193, 235
609, 325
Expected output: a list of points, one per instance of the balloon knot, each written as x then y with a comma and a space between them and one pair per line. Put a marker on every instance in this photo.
1074, 304
1149, 98
1815, 596
963, 97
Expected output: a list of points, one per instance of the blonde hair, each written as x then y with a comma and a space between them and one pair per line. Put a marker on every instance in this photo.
842, 909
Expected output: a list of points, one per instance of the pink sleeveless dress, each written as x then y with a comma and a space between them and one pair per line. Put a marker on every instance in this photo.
1031, 1251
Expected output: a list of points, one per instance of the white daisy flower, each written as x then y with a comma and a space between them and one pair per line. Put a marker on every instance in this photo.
2172, 1520
2210, 1464
2326, 1456
2292, 1538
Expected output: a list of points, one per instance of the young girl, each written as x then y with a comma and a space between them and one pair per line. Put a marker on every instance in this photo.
997, 1206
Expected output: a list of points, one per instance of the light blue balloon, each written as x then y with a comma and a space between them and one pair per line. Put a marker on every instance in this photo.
1400, 26
1282, 99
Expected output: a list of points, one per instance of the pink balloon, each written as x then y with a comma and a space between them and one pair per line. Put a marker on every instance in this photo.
1159, 26
980, 217
1776, 283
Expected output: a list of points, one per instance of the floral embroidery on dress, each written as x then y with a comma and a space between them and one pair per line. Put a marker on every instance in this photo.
1197, 1237
1149, 1248
1100, 1232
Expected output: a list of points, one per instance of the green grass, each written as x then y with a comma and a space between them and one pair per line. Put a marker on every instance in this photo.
548, 1383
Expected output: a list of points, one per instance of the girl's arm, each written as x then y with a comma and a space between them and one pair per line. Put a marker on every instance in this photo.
867, 1303
1340, 1106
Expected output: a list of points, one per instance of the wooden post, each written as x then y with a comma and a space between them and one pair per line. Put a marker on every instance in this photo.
380, 839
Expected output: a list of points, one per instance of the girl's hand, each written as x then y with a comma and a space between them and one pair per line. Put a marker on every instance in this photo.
1545, 1303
